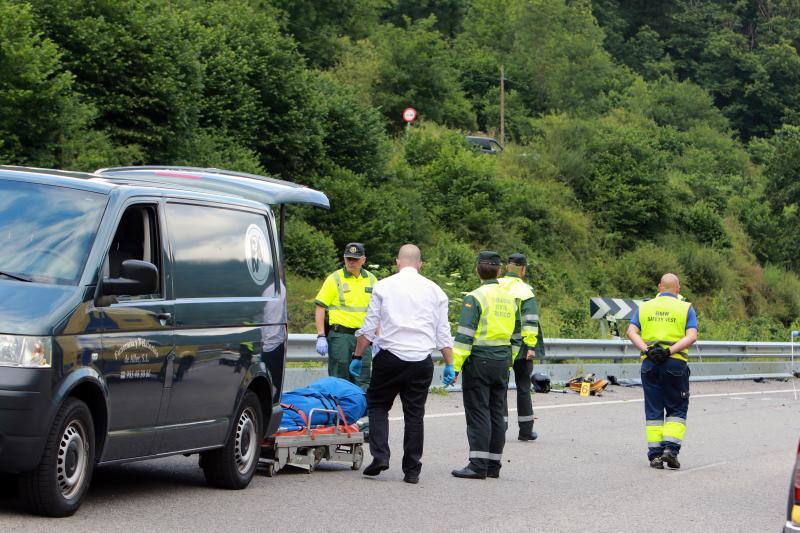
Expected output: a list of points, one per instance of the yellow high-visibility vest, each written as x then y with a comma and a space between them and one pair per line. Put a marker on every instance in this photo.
663, 321
346, 297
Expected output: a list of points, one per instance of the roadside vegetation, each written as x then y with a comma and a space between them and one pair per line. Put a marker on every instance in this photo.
642, 137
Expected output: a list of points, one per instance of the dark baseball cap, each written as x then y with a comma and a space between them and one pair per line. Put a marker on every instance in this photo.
518, 259
489, 258
354, 250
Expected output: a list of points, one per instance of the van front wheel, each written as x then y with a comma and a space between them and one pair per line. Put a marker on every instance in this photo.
57, 486
233, 466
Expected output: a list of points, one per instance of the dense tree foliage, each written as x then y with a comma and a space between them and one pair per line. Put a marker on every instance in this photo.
642, 136
743, 52
40, 111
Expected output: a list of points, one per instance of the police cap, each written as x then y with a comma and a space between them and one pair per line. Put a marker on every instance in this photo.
488, 257
518, 259
354, 250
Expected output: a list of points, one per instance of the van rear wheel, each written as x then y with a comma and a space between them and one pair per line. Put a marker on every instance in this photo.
233, 466
58, 485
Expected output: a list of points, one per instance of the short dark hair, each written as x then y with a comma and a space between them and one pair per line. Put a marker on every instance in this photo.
514, 267
487, 271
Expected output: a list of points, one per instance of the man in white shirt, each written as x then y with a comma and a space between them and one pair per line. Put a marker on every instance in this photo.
411, 312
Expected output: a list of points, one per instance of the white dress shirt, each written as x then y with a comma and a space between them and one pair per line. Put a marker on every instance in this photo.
411, 312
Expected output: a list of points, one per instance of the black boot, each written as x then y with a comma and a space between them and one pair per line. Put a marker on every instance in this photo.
375, 468
468, 473
528, 437
656, 462
670, 459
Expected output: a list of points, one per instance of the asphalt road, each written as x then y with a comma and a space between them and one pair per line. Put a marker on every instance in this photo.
588, 471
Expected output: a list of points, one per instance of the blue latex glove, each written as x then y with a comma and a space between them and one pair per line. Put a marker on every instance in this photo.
355, 368
322, 346
449, 375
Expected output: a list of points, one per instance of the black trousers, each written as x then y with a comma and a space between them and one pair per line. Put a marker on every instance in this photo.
523, 368
410, 379
485, 385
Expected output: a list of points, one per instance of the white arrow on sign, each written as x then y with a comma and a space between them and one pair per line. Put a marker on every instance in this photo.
602, 308
624, 308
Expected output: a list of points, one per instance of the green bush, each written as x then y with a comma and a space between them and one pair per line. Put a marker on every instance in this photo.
568, 318
636, 273
703, 222
300, 302
705, 270
782, 289
307, 251
448, 257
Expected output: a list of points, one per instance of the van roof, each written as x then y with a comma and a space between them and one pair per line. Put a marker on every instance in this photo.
261, 189
64, 178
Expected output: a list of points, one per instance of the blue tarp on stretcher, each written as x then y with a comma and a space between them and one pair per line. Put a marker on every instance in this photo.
324, 393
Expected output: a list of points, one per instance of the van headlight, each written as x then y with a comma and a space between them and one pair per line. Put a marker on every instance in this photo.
28, 352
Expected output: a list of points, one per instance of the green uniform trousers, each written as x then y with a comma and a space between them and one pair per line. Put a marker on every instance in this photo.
340, 349
485, 385
523, 369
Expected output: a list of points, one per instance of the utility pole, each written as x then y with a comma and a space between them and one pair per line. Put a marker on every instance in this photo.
502, 107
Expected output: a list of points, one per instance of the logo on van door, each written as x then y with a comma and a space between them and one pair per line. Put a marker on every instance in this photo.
256, 253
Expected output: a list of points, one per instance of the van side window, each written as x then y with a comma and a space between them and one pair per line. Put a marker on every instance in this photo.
137, 237
219, 252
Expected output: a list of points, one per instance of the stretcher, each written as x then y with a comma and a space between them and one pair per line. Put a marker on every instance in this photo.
306, 447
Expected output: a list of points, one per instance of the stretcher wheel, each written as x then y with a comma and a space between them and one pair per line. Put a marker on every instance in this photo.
358, 458
270, 470
319, 453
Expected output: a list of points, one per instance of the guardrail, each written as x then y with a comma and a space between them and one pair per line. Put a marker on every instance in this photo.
567, 358
301, 348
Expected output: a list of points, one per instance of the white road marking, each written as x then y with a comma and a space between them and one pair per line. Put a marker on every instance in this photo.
734, 395
704, 467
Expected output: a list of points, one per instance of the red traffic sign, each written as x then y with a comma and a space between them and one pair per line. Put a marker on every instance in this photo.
409, 114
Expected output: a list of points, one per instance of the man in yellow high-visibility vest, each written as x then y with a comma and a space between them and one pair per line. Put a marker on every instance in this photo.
663, 329
482, 349
345, 294
523, 341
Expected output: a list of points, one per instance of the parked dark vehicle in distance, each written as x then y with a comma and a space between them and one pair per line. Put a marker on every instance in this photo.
486, 145
142, 314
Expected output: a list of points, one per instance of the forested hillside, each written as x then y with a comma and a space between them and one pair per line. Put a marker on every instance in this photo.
643, 136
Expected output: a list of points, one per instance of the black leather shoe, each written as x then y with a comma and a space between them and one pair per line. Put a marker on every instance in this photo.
493, 473
656, 462
375, 468
468, 473
411, 479
670, 459
532, 436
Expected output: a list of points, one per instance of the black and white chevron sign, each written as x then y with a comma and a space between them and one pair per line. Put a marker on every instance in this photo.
619, 308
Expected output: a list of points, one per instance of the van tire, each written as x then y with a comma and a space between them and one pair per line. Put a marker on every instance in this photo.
233, 466
57, 486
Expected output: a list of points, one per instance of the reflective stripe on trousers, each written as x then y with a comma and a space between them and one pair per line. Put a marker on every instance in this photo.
655, 432
485, 455
674, 429
660, 431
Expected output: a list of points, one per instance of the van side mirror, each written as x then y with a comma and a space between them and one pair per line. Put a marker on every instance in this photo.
136, 279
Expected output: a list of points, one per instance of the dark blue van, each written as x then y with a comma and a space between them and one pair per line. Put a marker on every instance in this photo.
142, 314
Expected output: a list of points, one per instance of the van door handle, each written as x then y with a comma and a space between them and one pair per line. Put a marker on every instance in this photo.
163, 317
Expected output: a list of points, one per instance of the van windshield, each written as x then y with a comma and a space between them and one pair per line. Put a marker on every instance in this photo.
46, 232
